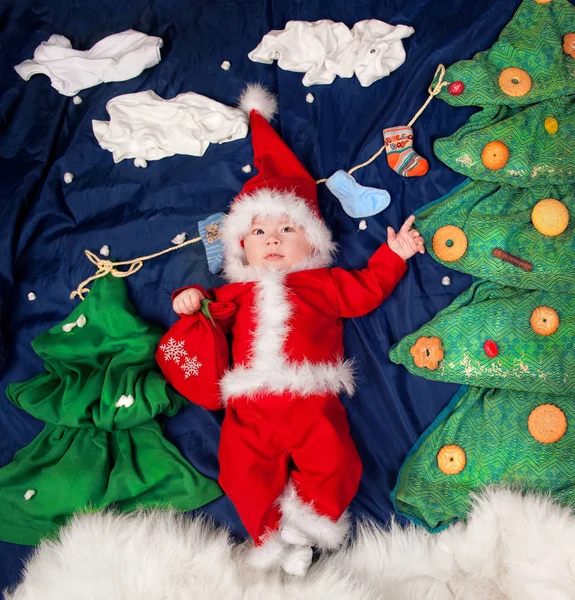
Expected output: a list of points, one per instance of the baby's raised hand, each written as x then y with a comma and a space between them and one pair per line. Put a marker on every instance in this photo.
406, 242
188, 302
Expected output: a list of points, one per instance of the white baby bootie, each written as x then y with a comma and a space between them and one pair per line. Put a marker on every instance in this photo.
297, 560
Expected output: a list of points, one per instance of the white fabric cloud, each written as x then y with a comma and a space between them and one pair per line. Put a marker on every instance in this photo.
117, 57
324, 49
145, 126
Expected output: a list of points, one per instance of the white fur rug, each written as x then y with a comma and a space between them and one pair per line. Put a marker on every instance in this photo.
513, 547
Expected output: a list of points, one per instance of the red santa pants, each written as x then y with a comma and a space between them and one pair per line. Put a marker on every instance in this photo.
273, 439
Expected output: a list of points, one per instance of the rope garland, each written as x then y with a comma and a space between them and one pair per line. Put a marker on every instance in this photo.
106, 267
432, 90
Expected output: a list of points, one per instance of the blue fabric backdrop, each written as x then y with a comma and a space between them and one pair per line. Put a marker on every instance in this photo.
46, 224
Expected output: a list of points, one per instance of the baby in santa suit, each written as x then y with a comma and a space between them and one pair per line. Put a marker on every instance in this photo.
287, 460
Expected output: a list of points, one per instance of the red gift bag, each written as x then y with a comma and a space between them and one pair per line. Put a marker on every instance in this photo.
194, 354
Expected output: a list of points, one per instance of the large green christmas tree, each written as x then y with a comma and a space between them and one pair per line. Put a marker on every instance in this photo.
101, 444
513, 420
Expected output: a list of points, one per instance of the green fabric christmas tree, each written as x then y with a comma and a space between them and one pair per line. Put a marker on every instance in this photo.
101, 444
495, 421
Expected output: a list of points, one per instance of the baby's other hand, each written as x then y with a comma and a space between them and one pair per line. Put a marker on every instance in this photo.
405, 242
188, 302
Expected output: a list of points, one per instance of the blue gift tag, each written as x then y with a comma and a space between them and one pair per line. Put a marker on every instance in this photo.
210, 232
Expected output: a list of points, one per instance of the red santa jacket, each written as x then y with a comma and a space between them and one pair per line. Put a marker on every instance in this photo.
287, 332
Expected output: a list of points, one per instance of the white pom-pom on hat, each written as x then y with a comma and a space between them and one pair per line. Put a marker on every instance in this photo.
258, 98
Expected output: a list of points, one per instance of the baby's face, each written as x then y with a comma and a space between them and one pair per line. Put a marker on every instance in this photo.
276, 243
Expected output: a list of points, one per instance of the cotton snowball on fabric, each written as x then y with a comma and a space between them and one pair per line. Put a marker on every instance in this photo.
117, 57
211, 237
145, 126
325, 49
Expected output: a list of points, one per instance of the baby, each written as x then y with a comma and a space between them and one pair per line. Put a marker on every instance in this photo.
287, 460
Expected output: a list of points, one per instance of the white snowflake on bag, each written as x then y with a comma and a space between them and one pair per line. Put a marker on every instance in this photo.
173, 350
191, 366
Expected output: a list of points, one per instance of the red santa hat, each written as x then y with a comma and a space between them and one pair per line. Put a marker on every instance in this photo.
282, 186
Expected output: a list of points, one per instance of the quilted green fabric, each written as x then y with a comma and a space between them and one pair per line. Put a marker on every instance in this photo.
490, 425
494, 216
526, 361
535, 156
531, 41
488, 417
101, 444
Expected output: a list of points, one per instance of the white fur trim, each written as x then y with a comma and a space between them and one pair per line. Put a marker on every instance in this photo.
303, 379
268, 556
324, 533
257, 97
270, 203
514, 547
269, 370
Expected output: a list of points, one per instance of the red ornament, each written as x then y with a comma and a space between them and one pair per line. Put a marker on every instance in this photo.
491, 348
456, 88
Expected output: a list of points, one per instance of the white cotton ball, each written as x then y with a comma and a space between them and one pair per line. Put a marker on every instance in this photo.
226, 65
31, 296
126, 401
67, 327
81, 321
68, 177
247, 169
446, 280
363, 225
105, 250
77, 100
29, 494
180, 238
309, 98
140, 162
